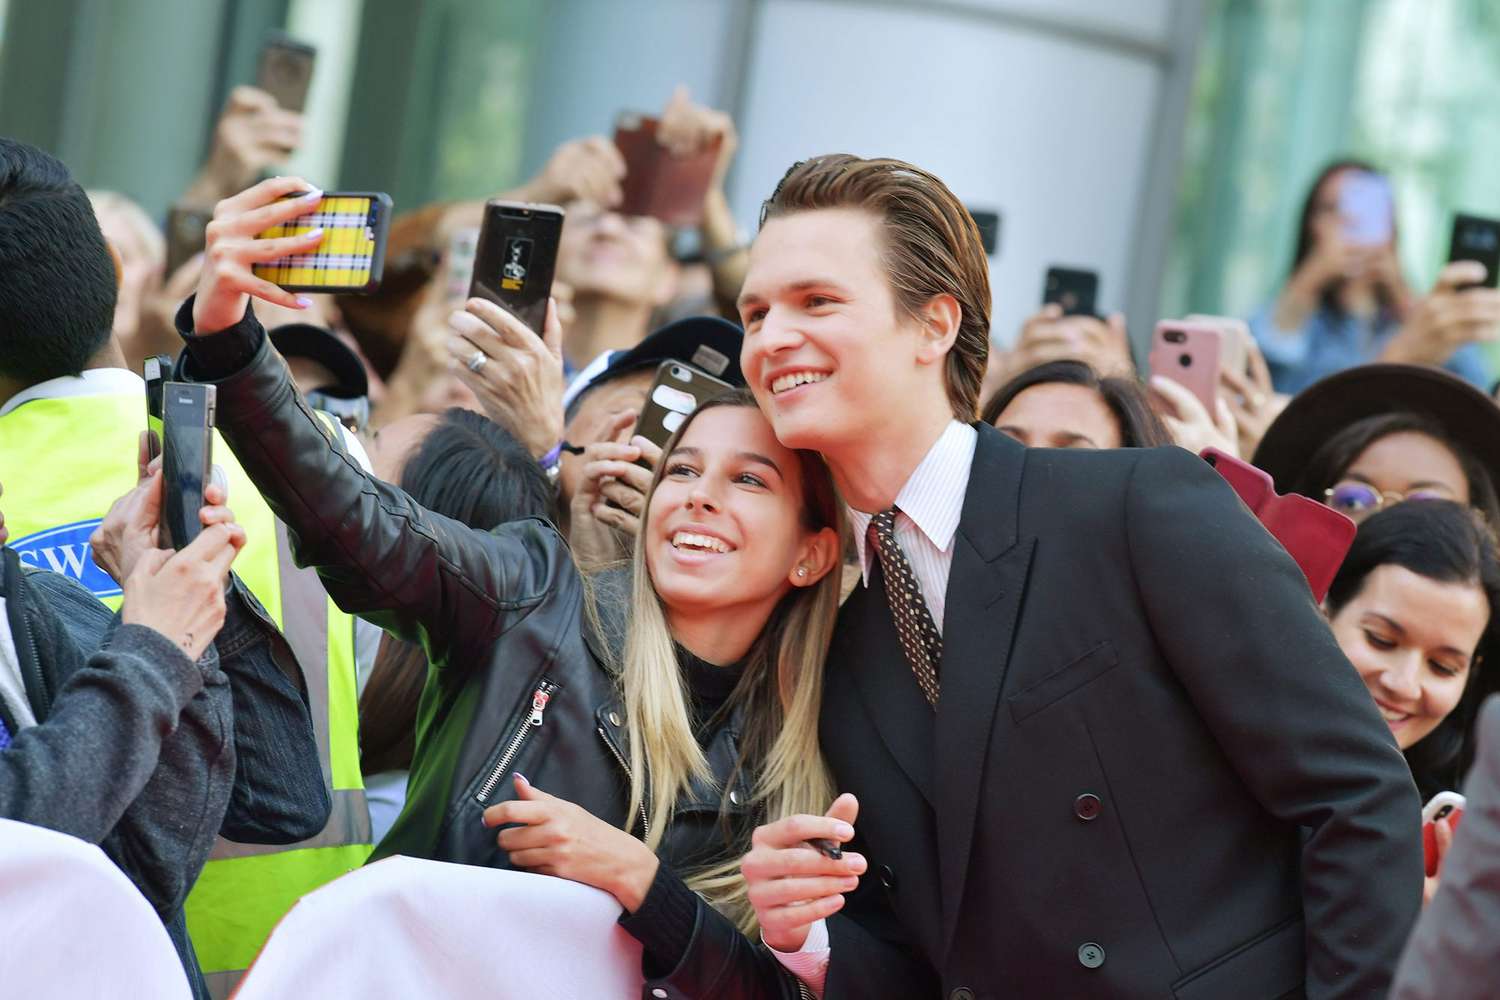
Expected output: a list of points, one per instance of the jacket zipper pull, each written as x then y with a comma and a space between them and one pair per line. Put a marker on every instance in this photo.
539, 705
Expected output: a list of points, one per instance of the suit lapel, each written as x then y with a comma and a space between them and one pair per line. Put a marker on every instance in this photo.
866, 645
985, 589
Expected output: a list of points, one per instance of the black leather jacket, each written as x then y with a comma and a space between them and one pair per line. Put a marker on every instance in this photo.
518, 680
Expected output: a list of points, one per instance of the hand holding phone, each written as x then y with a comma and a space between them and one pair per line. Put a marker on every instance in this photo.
1189, 354
658, 182
1443, 805
349, 254
1076, 291
1477, 239
516, 258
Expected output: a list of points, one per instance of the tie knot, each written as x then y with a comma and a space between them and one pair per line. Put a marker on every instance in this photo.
885, 521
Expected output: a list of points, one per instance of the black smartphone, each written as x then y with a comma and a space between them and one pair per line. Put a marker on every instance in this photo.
285, 70
516, 257
678, 390
988, 222
187, 411
1075, 290
186, 226
156, 370
1477, 238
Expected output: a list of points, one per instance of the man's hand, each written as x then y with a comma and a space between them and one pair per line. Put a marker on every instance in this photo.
611, 495
590, 169
181, 594
520, 380
1449, 317
559, 838
791, 885
226, 284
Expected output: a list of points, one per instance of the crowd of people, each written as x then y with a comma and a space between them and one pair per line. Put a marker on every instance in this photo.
910, 667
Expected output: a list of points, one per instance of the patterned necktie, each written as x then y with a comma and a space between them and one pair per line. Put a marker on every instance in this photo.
919, 635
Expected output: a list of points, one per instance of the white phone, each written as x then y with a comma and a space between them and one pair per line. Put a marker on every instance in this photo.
1441, 805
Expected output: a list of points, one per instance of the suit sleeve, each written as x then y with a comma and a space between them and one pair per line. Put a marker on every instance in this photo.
1451, 955
1235, 619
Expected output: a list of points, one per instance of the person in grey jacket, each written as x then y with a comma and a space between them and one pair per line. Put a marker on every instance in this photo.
1454, 952
151, 731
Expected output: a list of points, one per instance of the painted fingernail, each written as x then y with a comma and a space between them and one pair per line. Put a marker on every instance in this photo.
313, 234
844, 830
315, 194
303, 302
522, 778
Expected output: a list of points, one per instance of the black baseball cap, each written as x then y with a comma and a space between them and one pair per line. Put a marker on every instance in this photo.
303, 340
709, 343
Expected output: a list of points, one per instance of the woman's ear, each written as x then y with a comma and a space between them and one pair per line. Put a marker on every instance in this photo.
818, 555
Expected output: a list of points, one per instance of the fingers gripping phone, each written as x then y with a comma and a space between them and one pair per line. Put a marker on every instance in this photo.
678, 390
1075, 290
671, 188
186, 459
1443, 805
516, 258
351, 256
155, 370
285, 70
1477, 239
1190, 355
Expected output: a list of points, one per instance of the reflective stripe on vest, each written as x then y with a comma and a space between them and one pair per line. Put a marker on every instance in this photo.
63, 462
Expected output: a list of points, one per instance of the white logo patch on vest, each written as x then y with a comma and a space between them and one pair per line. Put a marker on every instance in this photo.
65, 549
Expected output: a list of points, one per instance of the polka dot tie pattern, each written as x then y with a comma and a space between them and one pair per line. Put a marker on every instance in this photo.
919, 636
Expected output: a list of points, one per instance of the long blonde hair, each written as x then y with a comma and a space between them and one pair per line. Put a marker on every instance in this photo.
781, 688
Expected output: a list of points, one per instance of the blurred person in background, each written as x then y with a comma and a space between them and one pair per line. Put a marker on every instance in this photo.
1347, 302
1067, 404
1414, 607
142, 253
465, 466
1371, 436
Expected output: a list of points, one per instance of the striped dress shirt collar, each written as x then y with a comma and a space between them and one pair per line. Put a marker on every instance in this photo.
931, 505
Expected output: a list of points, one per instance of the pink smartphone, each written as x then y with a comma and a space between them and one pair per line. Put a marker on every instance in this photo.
1317, 537
1189, 354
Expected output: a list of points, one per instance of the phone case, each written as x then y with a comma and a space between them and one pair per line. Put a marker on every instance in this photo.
1190, 355
351, 257
1235, 351
1476, 238
678, 390
187, 459
285, 70
1365, 205
516, 257
1315, 536
1449, 805
670, 188
1076, 291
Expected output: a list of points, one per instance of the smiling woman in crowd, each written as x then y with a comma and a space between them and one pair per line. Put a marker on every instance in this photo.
1066, 404
659, 716
1371, 436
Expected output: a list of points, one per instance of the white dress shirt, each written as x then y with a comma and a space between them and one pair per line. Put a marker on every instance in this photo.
930, 506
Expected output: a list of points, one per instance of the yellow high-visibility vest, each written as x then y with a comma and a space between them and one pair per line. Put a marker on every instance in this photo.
63, 461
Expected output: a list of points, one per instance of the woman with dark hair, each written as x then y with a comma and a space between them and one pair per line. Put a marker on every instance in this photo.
1413, 607
1066, 404
1346, 301
466, 466
1373, 435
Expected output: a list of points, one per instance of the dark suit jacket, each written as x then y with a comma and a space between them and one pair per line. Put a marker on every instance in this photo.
1454, 953
1152, 773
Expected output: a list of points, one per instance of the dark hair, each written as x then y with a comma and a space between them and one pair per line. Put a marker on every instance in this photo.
57, 278
1332, 460
1446, 542
931, 247
1139, 425
1329, 297
473, 470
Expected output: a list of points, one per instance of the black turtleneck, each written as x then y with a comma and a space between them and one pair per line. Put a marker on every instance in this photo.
709, 686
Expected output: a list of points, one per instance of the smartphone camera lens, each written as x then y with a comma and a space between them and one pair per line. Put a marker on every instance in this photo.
1174, 337
680, 373
1185, 360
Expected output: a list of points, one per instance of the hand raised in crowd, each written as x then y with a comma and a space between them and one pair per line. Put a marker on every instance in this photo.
556, 837
230, 249
1048, 335
1188, 420
181, 594
611, 493
793, 885
687, 128
589, 169
1442, 834
517, 375
1252, 400
253, 134
1449, 317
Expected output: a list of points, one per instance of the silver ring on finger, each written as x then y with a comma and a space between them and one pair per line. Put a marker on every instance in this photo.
477, 362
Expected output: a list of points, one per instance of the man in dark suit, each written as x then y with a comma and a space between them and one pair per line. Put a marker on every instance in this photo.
1102, 742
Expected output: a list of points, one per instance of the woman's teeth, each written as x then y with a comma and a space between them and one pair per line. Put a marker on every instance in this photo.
793, 379
705, 543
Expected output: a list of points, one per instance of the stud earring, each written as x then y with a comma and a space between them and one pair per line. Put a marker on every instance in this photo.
801, 571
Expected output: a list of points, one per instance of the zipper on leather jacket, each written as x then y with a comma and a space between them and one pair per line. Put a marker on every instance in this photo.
645, 821
539, 699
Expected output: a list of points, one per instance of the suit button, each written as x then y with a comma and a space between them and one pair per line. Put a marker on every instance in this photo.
888, 878
1087, 806
1090, 955
962, 993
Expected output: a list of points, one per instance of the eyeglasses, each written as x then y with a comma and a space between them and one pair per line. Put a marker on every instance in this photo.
1359, 499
